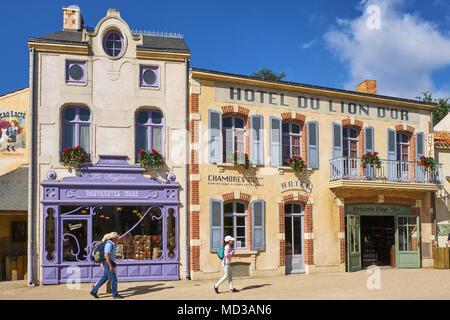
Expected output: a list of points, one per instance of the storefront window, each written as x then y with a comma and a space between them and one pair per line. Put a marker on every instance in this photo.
75, 240
171, 239
140, 228
50, 234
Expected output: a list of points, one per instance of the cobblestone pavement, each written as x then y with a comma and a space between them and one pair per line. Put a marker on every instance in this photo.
394, 284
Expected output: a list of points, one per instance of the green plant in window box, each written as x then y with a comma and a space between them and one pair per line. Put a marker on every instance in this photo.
370, 158
297, 164
72, 157
241, 160
149, 159
427, 162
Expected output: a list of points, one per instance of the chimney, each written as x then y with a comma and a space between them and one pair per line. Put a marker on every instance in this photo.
72, 18
368, 86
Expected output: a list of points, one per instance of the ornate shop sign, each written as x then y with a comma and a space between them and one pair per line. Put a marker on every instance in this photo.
377, 209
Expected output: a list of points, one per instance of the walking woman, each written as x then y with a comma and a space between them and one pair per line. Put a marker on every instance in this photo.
227, 254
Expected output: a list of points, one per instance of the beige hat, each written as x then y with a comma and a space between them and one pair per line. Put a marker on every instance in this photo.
112, 235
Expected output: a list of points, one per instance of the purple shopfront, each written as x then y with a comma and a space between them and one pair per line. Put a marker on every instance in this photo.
110, 196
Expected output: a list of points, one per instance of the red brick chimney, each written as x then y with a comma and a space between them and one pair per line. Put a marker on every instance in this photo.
367, 86
72, 18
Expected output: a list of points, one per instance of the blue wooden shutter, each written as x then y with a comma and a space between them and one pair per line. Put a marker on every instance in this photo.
275, 142
392, 154
313, 144
420, 151
215, 136
258, 225
337, 140
368, 140
256, 140
215, 224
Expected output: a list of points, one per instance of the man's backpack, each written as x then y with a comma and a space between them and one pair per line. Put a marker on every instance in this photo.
220, 253
99, 252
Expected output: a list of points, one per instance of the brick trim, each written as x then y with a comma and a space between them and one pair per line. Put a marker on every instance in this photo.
358, 124
342, 242
408, 129
194, 105
242, 111
286, 116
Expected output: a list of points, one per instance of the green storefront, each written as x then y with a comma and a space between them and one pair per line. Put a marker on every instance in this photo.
382, 235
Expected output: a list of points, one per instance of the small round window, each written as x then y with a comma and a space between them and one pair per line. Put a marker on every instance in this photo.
76, 72
149, 77
113, 43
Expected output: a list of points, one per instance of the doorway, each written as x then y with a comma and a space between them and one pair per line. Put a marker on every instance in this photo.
378, 241
295, 259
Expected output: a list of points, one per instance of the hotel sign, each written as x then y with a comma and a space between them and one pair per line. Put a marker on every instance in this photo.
296, 185
302, 102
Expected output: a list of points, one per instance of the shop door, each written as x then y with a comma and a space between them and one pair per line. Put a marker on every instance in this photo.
353, 243
407, 242
295, 259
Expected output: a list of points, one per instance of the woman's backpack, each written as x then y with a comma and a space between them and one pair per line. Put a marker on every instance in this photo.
220, 253
99, 252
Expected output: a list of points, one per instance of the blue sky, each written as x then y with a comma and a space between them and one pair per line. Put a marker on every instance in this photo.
323, 43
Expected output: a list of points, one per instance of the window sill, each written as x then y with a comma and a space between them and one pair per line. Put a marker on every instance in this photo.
244, 252
222, 166
283, 169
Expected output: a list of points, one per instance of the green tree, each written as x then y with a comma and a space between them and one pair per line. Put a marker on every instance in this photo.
443, 106
267, 74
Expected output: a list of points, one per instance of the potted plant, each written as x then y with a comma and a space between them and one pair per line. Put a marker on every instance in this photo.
427, 163
297, 163
72, 157
149, 159
241, 160
373, 161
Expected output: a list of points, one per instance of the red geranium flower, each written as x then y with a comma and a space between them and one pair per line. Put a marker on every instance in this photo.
142, 151
154, 151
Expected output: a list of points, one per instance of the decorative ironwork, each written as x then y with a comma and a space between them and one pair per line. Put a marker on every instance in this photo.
78, 247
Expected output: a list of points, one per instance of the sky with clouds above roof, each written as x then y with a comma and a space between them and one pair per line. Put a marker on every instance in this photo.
403, 44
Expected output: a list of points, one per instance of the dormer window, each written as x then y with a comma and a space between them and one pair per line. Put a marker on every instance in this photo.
113, 43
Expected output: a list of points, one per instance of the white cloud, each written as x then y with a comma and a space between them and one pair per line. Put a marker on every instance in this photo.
310, 44
401, 55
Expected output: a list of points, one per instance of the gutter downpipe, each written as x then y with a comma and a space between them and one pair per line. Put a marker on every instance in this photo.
436, 238
31, 176
186, 62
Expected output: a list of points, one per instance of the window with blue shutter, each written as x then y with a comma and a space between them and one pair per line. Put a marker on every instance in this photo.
215, 136
313, 144
256, 140
392, 154
420, 151
258, 225
275, 142
215, 224
368, 140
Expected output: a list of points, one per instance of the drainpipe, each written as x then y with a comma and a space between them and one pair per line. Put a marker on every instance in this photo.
186, 63
31, 175
436, 238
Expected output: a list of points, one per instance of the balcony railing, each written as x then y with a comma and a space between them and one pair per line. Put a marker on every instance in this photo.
345, 168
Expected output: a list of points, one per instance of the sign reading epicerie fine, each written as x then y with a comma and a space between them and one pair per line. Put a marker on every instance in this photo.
293, 100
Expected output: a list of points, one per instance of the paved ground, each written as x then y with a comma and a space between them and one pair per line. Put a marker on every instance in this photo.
394, 283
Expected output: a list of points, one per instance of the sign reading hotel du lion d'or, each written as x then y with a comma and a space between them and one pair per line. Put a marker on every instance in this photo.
301, 102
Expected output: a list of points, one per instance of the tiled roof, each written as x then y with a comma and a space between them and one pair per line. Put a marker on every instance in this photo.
442, 139
14, 190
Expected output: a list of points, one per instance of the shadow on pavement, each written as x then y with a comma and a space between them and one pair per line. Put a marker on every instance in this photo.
256, 286
135, 291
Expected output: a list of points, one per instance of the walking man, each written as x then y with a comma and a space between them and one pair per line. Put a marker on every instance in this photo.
109, 266
227, 254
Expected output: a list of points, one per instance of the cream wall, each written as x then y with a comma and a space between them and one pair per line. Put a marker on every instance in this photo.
15, 101
113, 95
325, 211
443, 197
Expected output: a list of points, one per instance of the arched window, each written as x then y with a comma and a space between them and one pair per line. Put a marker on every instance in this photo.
76, 125
233, 138
235, 222
350, 142
149, 131
292, 140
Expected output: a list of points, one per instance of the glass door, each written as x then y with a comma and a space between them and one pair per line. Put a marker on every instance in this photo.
295, 259
407, 237
353, 243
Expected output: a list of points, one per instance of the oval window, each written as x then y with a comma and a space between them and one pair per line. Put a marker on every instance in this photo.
76, 72
149, 77
113, 43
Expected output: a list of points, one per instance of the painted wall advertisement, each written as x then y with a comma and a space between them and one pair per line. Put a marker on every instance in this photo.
12, 131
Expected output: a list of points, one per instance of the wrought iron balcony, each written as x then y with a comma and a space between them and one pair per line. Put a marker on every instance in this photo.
345, 168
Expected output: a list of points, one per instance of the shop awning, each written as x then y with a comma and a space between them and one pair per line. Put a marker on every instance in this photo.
14, 190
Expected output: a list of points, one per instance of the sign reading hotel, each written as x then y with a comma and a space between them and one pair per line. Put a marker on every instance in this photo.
12, 131
297, 101
296, 185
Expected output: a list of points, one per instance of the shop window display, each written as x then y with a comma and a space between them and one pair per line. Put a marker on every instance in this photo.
50, 234
75, 240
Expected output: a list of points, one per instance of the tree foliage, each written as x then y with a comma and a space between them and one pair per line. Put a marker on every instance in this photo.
267, 74
443, 106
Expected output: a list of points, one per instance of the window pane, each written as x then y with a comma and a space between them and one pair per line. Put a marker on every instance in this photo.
353, 133
228, 221
288, 235
227, 122
240, 221
295, 128
238, 123
405, 138
142, 138
84, 138
156, 117
69, 114
240, 232
240, 207
285, 127
228, 207
288, 208
84, 114
156, 138
228, 231
171, 233
143, 117
297, 208
68, 135
74, 240
297, 235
